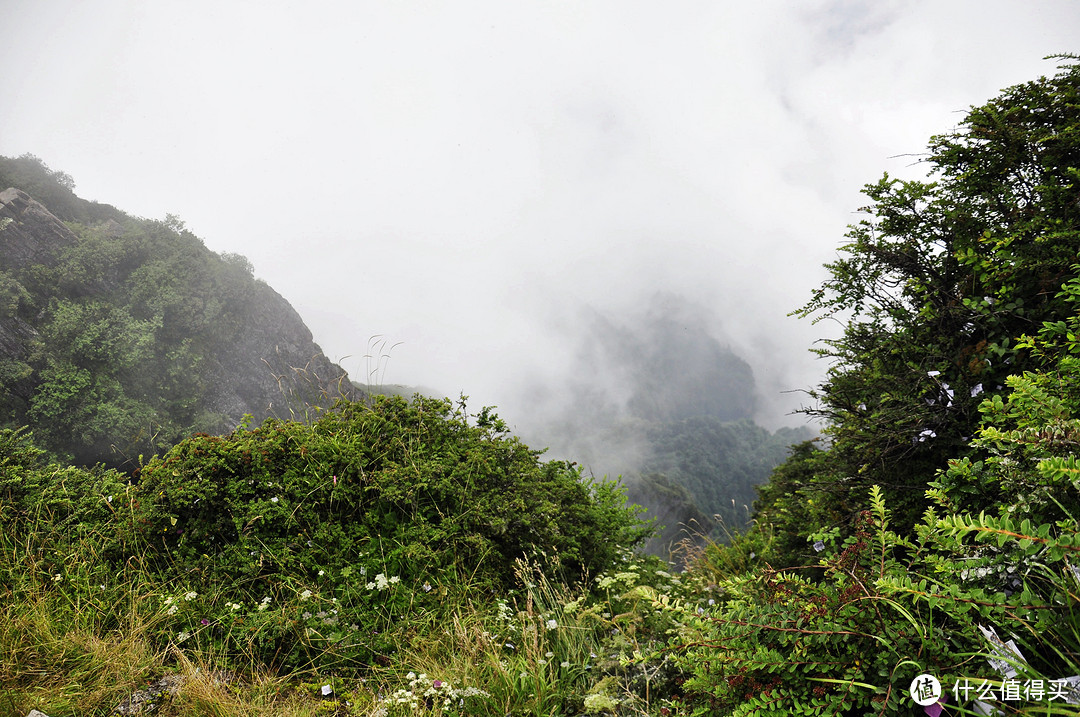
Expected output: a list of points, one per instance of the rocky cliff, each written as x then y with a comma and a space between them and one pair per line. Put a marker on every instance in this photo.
123, 335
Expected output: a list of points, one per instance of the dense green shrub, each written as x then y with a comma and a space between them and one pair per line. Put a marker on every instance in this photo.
380, 510
50, 501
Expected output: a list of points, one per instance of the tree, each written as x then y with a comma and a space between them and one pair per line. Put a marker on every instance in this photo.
939, 280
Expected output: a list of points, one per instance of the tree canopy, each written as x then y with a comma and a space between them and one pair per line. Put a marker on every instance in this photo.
935, 286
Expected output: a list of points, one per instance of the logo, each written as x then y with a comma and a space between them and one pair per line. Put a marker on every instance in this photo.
925, 690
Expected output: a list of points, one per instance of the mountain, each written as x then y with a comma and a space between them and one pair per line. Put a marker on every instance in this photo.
120, 335
661, 398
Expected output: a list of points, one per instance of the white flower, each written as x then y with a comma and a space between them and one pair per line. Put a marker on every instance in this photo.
274, 499
395, 580
182, 635
305, 595
189, 596
57, 578
551, 624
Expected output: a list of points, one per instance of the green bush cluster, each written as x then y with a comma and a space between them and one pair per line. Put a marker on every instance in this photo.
378, 510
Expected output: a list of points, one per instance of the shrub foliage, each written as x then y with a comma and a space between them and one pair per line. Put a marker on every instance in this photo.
379, 507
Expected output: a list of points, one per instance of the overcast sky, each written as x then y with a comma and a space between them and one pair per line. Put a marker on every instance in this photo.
468, 177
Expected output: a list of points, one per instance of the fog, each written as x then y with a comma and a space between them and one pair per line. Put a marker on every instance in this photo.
485, 185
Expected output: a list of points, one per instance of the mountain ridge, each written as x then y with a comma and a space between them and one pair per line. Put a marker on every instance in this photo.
121, 335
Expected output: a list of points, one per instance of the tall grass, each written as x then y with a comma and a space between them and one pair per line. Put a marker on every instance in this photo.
79, 635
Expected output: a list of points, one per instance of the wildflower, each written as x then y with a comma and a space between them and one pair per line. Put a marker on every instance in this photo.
57, 578
274, 499
427, 587
265, 603
204, 621
549, 655
564, 664
182, 635
305, 595
189, 596
321, 573
394, 580
233, 605
551, 624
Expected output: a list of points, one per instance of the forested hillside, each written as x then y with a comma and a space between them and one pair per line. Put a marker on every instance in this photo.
660, 397
120, 336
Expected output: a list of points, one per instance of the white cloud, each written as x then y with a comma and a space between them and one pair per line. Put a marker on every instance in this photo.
463, 176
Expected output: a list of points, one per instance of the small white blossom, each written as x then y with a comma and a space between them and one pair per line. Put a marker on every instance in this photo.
189, 596
551, 624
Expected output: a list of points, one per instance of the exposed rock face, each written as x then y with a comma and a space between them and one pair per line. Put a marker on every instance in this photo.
31, 235
250, 349
273, 365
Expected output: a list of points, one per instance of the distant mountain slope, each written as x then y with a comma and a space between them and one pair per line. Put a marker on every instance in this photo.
120, 335
662, 399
